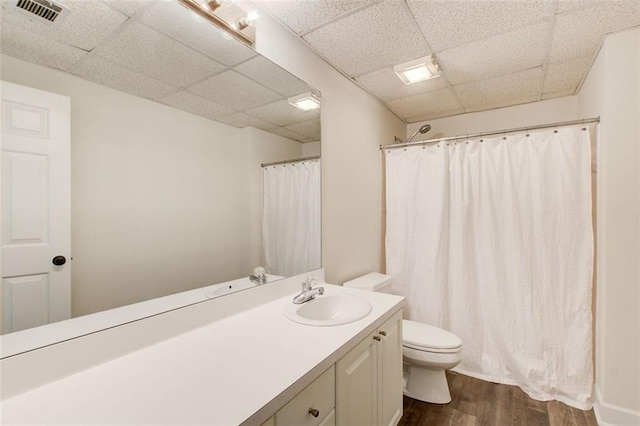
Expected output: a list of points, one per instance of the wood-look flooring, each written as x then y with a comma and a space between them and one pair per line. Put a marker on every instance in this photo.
475, 402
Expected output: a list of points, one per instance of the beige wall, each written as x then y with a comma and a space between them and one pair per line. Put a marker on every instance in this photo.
153, 211
545, 112
612, 91
353, 125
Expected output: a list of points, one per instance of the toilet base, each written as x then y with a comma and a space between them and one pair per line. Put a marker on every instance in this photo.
427, 385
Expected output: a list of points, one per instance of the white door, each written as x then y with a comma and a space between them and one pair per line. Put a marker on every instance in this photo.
36, 204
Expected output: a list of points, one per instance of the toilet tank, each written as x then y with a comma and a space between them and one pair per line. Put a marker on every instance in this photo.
373, 281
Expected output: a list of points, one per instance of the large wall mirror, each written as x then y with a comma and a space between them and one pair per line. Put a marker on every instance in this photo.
171, 123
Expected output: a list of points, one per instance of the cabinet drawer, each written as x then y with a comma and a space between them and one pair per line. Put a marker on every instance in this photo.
319, 395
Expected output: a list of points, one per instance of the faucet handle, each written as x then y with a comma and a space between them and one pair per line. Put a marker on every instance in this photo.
308, 283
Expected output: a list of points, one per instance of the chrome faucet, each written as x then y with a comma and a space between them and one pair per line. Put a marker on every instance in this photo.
258, 277
308, 292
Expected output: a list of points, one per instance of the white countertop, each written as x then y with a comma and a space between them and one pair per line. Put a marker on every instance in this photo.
222, 373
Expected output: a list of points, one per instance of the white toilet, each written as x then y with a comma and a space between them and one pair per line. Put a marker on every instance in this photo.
427, 350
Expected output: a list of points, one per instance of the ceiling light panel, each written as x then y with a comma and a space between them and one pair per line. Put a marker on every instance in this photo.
370, 39
384, 84
282, 114
305, 102
418, 70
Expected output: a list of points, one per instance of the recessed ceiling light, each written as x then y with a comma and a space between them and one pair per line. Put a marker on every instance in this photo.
305, 102
420, 69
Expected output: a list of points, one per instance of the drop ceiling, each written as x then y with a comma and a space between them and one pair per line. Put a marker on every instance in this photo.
493, 53
157, 50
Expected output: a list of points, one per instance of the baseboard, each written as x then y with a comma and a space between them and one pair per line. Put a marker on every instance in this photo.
612, 415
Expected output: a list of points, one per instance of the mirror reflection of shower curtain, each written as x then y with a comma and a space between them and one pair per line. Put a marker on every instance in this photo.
492, 239
291, 218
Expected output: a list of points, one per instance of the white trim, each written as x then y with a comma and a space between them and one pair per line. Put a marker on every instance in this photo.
612, 415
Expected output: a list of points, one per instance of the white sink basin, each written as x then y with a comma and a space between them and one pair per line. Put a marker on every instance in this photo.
328, 310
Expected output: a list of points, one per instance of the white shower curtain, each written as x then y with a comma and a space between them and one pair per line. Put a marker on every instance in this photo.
492, 239
291, 218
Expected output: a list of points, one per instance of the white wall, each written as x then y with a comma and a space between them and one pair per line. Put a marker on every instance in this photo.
612, 91
353, 125
153, 211
545, 112
311, 149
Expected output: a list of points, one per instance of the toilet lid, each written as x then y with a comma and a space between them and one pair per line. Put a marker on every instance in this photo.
418, 335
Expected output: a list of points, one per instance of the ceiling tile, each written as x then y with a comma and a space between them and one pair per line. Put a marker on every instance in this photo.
371, 39
437, 103
148, 52
560, 94
578, 34
173, 19
235, 90
565, 6
309, 129
511, 89
102, 71
128, 7
35, 48
86, 25
495, 56
189, 102
282, 114
386, 85
302, 16
285, 133
241, 119
566, 76
446, 24
271, 75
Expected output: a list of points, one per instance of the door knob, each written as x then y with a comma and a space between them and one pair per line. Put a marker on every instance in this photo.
314, 412
59, 260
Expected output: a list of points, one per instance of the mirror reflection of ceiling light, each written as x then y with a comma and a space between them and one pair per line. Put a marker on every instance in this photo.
305, 102
207, 10
420, 69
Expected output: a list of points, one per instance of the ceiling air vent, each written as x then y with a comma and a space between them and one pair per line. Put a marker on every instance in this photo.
46, 12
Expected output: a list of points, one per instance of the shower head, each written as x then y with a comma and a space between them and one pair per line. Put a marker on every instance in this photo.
423, 129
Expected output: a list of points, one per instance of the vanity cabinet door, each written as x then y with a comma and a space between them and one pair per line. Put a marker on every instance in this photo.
313, 406
369, 379
356, 383
390, 371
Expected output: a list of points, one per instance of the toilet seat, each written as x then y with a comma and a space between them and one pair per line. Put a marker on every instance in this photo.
428, 338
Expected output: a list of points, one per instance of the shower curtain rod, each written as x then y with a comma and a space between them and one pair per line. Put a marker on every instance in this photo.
499, 132
297, 160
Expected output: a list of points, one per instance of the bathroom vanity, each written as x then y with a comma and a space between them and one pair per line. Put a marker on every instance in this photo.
235, 360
